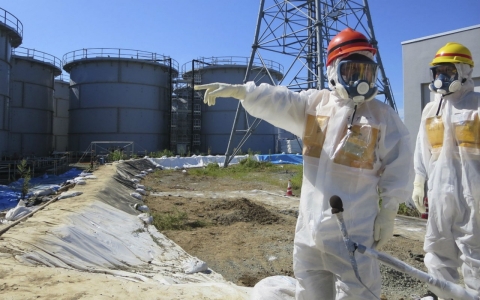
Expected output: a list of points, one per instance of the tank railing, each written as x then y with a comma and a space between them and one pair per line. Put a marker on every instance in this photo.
202, 62
11, 21
38, 55
187, 76
50, 165
118, 53
63, 77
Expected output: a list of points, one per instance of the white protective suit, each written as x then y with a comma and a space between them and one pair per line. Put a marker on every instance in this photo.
448, 154
377, 155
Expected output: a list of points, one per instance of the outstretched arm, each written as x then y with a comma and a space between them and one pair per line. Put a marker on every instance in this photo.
275, 104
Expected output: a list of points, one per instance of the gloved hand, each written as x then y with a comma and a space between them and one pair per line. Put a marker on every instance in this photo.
383, 227
419, 193
222, 90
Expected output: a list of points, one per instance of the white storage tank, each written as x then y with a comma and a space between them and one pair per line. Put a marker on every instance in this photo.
119, 95
31, 102
217, 120
11, 35
60, 113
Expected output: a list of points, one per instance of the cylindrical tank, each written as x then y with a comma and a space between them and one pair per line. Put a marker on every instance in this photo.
31, 102
60, 113
217, 120
11, 35
119, 95
285, 135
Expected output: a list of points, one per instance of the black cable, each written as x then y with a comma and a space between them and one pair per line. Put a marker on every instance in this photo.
439, 106
353, 116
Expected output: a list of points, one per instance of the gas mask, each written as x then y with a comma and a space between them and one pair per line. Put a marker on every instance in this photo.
445, 79
357, 79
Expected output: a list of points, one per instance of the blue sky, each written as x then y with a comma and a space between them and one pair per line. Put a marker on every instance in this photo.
188, 29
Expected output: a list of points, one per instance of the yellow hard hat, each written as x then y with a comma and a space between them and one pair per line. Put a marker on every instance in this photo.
453, 53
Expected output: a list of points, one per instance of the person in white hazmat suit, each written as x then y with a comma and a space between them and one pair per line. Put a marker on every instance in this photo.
353, 145
447, 153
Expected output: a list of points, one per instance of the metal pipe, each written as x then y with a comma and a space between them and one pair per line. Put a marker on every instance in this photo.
446, 289
193, 97
319, 67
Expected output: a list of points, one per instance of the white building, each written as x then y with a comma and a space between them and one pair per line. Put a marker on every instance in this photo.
417, 55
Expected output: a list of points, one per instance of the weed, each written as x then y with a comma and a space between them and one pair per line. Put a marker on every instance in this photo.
175, 220
162, 153
404, 210
196, 224
138, 230
116, 155
250, 163
24, 172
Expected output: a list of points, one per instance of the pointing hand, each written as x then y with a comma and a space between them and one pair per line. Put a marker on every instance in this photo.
222, 90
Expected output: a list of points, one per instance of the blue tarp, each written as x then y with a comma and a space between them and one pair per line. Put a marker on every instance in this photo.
10, 194
295, 159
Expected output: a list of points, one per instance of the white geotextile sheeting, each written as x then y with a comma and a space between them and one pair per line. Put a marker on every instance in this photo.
69, 194
194, 161
101, 238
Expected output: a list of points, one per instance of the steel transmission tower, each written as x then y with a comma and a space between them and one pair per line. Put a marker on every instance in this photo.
296, 33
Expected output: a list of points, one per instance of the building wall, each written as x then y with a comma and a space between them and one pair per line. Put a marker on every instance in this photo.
417, 55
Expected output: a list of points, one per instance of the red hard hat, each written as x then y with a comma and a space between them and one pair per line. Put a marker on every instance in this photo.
347, 41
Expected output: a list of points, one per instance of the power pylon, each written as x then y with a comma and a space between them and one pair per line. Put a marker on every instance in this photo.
296, 33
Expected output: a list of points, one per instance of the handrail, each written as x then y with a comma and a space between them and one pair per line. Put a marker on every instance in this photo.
63, 77
202, 62
38, 55
54, 164
117, 53
11, 21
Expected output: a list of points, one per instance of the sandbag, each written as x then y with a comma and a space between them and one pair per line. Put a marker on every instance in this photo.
18, 211
275, 288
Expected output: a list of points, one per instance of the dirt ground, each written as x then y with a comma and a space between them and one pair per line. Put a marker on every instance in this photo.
247, 239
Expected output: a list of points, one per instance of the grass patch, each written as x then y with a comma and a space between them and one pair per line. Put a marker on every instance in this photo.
251, 170
175, 220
